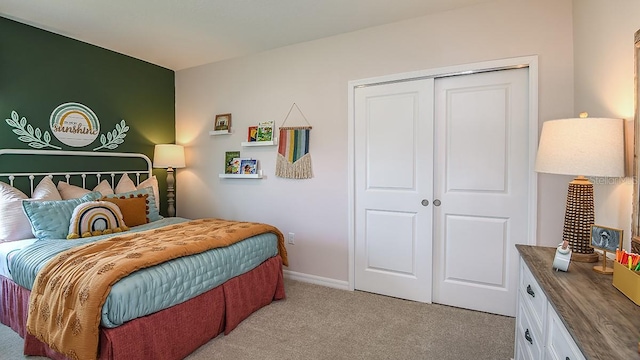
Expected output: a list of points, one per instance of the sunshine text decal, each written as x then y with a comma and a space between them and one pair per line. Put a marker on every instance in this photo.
72, 124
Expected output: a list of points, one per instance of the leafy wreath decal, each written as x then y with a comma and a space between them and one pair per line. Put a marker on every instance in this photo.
115, 137
26, 133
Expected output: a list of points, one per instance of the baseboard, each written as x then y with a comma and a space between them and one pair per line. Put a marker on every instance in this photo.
318, 280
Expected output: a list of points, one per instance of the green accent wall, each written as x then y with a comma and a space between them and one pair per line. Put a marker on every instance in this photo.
40, 70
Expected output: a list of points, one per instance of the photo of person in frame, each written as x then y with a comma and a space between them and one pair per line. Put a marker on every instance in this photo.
606, 238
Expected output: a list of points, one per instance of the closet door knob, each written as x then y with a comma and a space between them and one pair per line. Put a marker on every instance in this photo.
436, 202
425, 202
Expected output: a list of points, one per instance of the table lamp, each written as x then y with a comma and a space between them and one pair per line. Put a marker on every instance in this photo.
582, 147
169, 156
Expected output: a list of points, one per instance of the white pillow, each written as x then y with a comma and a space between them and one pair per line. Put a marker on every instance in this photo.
46, 190
15, 225
125, 185
153, 183
104, 188
68, 191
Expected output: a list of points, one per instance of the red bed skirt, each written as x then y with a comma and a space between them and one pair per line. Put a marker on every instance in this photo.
172, 333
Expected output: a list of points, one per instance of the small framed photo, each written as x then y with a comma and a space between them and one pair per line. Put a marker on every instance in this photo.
223, 122
252, 133
606, 238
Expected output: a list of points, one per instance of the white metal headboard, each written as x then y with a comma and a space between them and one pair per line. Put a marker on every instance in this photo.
32, 176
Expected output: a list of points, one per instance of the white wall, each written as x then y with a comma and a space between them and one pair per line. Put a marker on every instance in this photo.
315, 75
604, 72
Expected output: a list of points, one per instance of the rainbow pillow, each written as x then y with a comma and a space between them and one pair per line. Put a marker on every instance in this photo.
95, 218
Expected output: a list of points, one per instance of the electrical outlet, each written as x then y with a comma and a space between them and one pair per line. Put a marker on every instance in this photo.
291, 239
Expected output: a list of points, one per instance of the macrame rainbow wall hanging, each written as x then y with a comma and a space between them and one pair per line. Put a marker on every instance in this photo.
294, 160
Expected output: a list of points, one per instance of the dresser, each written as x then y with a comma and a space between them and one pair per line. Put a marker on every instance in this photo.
571, 315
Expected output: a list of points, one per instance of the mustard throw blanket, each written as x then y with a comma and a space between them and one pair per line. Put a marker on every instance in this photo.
68, 293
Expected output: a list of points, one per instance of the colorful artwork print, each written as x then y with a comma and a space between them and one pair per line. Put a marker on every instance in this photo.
265, 131
236, 164
249, 166
228, 161
252, 133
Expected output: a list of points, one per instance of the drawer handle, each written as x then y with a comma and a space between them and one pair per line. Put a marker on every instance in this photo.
530, 291
528, 337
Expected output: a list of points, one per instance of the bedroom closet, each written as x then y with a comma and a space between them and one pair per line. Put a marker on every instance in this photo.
442, 182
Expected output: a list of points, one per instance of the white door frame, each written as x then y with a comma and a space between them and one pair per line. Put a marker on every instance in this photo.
526, 61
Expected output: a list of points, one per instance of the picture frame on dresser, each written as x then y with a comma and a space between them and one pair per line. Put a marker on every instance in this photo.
606, 238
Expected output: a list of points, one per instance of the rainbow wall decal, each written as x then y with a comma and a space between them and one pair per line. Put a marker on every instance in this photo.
74, 124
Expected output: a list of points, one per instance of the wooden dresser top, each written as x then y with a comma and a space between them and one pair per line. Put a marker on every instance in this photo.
604, 323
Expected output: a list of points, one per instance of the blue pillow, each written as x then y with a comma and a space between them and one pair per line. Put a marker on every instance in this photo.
50, 219
154, 212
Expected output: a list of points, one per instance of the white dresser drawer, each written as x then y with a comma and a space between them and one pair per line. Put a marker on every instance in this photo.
523, 352
532, 297
528, 337
560, 345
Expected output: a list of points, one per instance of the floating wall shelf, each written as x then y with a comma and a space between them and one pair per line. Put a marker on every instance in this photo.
219, 132
260, 143
241, 176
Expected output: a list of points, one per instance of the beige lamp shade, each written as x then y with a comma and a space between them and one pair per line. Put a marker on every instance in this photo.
168, 156
583, 146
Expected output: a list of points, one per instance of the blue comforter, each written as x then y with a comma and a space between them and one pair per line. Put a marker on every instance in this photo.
158, 287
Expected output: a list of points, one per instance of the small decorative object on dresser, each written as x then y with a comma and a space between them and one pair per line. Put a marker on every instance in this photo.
605, 239
563, 257
223, 122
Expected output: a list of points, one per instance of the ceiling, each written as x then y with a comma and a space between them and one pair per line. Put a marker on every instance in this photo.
178, 34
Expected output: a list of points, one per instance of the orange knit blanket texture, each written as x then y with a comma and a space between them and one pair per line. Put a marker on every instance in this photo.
68, 293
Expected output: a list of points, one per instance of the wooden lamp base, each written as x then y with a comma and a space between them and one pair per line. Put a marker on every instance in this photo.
587, 258
578, 218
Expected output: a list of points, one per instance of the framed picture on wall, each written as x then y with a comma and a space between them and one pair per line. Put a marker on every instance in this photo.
222, 122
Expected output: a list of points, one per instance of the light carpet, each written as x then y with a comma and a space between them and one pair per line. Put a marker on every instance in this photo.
316, 322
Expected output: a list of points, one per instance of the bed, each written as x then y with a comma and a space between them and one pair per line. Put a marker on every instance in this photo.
87, 285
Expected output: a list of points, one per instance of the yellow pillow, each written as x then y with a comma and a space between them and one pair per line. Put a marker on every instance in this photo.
135, 208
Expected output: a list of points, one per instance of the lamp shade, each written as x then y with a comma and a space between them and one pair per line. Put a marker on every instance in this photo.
168, 156
584, 146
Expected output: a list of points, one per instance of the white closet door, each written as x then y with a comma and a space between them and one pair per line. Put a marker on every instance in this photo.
393, 189
482, 175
